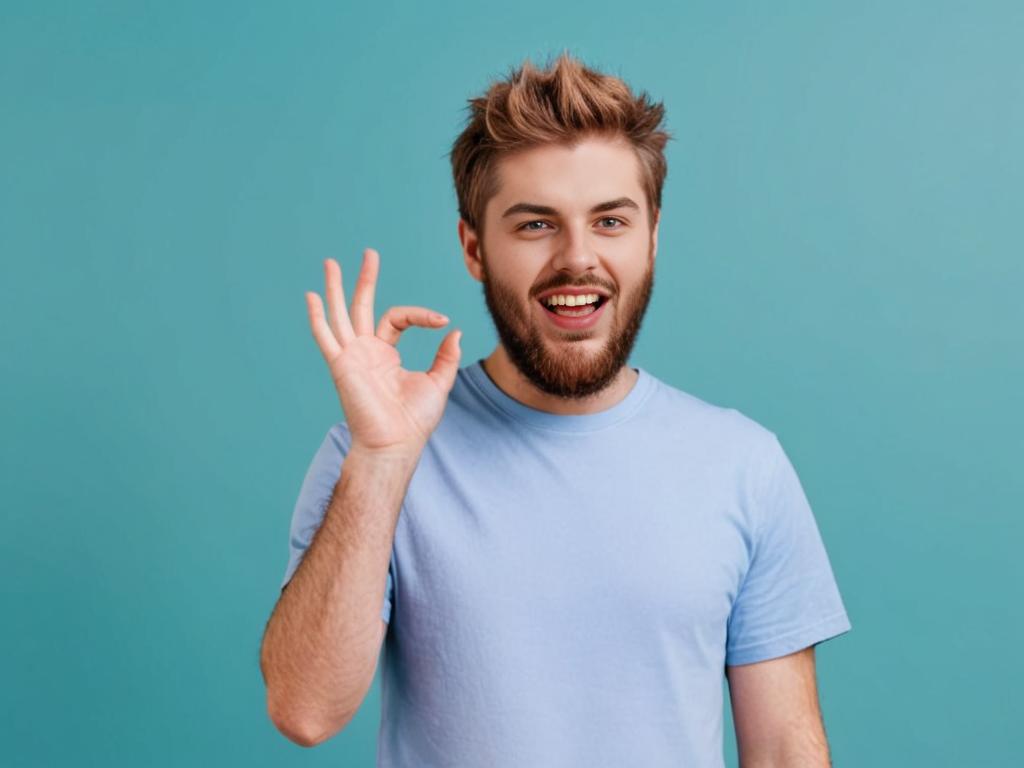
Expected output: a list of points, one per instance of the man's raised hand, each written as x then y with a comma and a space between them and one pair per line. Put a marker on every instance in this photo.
387, 408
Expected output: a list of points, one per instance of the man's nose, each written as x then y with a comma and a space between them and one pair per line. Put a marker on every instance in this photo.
575, 250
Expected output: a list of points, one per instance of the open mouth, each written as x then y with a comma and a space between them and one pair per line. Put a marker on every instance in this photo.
584, 317
561, 310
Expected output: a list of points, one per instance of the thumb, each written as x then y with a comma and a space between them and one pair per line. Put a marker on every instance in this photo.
446, 361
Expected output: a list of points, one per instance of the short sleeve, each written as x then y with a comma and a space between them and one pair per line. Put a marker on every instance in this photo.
788, 598
314, 498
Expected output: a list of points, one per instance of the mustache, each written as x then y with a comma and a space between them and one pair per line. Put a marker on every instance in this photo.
606, 289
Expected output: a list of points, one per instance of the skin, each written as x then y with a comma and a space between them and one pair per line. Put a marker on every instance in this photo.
322, 642
525, 253
776, 713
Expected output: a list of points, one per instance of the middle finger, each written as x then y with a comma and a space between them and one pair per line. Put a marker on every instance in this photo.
362, 301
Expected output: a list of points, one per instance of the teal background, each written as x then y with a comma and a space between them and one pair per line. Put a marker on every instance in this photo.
840, 259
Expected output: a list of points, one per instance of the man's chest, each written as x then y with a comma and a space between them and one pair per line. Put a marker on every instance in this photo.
577, 551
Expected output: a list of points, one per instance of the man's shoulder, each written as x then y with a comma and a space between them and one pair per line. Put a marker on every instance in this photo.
679, 408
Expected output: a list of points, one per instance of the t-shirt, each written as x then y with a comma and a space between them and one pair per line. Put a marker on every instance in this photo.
566, 590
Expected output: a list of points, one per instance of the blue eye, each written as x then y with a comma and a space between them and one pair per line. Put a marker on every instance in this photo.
528, 228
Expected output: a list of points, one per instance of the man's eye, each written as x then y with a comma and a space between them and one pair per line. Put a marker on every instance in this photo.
527, 226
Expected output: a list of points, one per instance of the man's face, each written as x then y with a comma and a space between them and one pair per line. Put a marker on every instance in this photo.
548, 229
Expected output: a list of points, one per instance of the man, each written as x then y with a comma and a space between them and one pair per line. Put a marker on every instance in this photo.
563, 553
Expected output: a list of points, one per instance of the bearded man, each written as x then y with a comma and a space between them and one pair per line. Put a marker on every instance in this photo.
554, 555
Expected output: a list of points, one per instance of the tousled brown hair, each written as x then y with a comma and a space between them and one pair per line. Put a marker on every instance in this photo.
561, 104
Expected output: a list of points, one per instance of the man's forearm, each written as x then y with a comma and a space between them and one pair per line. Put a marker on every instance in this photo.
322, 642
800, 753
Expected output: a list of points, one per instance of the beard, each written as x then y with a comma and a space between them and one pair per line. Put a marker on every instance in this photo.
566, 368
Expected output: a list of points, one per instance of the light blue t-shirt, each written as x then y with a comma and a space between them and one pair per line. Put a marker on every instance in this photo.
567, 590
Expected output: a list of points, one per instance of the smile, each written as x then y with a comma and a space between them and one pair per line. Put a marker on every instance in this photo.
574, 318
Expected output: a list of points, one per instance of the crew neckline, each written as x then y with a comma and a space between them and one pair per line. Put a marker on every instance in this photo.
556, 422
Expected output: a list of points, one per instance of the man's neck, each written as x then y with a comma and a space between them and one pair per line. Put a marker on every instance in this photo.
509, 380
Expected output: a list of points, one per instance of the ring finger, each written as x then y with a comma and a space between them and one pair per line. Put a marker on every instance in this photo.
336, 312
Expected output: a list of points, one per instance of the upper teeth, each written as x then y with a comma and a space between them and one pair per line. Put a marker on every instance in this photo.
570, 300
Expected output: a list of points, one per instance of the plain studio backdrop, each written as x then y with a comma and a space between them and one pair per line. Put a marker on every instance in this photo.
839, 258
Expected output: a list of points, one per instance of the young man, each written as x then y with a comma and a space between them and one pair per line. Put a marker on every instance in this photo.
563, 553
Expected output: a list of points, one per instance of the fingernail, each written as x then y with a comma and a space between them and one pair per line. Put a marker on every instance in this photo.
438, 316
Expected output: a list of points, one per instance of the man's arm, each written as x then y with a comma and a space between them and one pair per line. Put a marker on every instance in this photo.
776, 713
322, 643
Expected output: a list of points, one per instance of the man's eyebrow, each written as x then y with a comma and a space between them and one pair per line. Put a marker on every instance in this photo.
547, 210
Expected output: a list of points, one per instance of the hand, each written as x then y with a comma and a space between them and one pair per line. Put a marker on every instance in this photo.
387, 408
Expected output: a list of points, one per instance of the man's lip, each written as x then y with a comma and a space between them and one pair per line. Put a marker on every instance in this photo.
574, 323
573, 292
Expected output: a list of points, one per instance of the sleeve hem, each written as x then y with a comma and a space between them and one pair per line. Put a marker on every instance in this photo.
826, 629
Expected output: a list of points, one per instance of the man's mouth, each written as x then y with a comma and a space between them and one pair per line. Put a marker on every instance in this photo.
585, 306
579, 317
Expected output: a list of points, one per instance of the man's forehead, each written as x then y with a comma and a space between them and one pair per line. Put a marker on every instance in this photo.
612, 204
568, 178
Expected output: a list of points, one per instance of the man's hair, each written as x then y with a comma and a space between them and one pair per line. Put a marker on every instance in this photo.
562, 104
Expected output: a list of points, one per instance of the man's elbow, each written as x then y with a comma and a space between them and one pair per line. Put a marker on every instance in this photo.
799, 755
305, 733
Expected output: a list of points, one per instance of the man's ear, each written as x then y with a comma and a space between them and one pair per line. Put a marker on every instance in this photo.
654, 234
470, 250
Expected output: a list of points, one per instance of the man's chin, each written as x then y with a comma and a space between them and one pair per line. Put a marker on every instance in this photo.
577, 362
591, 337
572, 354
